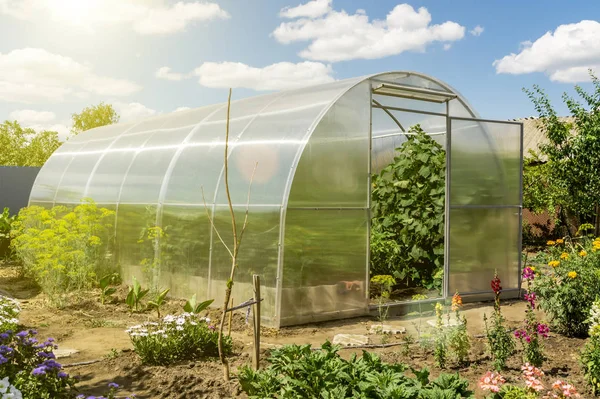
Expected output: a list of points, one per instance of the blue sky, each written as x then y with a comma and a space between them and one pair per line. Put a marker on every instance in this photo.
155, 56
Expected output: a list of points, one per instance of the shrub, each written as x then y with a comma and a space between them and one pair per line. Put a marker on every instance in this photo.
569, 284
31, 368
590, 356
299, 372
62, 249
176, 338
408, 209
6, 222
9, 313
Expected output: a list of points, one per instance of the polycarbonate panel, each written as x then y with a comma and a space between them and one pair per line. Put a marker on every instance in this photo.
72, 184
273, 140
134, 254
325, 265
185, 251
485, 163
334, 168
105, 183
47, 180
145, 177
418, 81
482, 240
387, 135
258, 254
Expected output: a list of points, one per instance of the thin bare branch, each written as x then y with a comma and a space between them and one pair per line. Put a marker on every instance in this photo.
233, 225
213, 224
247, 205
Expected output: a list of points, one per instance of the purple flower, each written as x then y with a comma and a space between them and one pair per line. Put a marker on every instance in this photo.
3, 359
22, 334
62, 374
4, 336
528, 273
543, 330
531, 297
113, 385
39, 371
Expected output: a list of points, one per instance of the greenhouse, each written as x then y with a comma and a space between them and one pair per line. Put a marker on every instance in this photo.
302, 162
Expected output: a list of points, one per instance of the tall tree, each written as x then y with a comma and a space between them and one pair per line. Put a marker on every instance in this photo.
24, 146
573, 150
94, 116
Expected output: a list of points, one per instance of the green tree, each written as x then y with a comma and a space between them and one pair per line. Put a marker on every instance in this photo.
94, 116
24, 147
572, 151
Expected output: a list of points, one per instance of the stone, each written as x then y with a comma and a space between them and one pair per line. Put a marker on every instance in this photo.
386, 329
62, 352
350, 340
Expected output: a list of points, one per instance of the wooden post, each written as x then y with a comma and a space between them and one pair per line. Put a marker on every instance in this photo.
256, 317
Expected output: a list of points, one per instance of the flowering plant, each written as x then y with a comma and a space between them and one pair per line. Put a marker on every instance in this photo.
567, 288
31, 366
561, 390
500, 342
176, 338
9, 391
9, 313
458, 337
112, 393
529, 335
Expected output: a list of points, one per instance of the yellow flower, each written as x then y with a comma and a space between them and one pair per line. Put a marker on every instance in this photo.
554, 263
560, 241
564, 256
456, 302
532, 268
583, 253
551, 243
572, 274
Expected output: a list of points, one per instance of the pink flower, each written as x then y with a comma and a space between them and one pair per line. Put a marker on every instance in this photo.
528, 273
543, 330
491, 382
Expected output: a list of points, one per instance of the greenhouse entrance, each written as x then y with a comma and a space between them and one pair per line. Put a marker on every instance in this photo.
324, 216
443, 183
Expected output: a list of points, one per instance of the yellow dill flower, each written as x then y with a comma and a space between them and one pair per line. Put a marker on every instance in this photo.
572, 274
583, 253
560, 241
551, 243
564, 256
554, 263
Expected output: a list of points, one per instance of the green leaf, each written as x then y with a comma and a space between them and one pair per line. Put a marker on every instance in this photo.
203, 305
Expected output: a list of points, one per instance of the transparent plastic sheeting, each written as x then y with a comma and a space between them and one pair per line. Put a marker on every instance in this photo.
307, 154
485, 204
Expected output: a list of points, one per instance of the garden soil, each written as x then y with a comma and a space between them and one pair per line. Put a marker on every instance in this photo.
104, 352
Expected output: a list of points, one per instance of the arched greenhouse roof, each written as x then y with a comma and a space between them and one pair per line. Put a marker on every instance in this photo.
178, 158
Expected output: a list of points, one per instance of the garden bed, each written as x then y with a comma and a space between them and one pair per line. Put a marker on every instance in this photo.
97, 332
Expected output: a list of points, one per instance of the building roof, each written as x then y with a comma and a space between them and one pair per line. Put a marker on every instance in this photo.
533, 135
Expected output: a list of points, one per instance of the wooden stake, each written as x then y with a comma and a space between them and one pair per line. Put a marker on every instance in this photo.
230, 316
256, 317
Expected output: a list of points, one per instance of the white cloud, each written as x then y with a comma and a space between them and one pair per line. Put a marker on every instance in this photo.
143, 16
179, 109
339, 36
447, 46
165, 73
282, 75
564, 55
29, 116
312, 9
31, 75
131, 112
477, 31
40, 121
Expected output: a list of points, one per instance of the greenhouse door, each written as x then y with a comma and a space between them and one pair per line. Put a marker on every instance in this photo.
483, 205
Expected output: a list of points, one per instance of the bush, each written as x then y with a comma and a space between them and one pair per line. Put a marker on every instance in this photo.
176, 338
62, 249
31, 368
299, 372
9, 313
6, 222
408, 199
568, 285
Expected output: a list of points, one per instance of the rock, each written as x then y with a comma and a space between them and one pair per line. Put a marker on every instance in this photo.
62, 352
350, 340
386, 329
